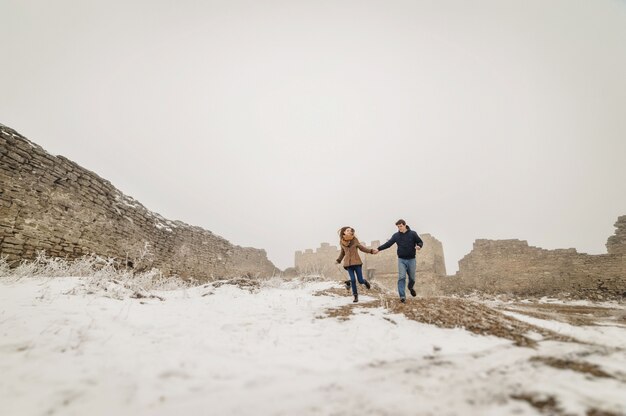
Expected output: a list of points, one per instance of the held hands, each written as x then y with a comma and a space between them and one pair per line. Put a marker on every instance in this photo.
418, 248
374, 251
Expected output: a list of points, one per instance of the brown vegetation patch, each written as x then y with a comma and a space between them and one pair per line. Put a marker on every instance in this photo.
578, 366
578, 309
333, 291
548, 405
474, 317
342, 313
544, 404
549, 316
597, 412
454, 313
571, 314
341, 289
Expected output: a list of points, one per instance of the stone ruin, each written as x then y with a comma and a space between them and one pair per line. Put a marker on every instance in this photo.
49, 203
512, 266
494, 267
381, 267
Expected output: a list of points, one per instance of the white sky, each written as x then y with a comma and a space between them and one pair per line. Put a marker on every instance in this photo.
274, 123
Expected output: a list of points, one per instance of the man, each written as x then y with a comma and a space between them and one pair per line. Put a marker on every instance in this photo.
408, 244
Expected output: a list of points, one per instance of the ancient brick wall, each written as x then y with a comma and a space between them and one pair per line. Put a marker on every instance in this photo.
383, 266
616, 243
320, 261
50, 203
512, 266
494, 267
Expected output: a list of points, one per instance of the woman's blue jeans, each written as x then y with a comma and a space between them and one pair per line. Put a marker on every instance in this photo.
405, 266
358, 270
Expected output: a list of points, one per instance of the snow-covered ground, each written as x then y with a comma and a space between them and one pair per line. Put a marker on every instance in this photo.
271, 351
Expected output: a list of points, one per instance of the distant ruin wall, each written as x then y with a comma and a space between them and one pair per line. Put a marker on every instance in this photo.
494, 267
616, 244
512, 266
383, 266
50, 203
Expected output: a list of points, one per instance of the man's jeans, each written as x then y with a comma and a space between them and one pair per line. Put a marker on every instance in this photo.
405, 266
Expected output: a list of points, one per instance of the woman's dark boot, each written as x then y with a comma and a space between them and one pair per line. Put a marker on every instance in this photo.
356, 298
367, 285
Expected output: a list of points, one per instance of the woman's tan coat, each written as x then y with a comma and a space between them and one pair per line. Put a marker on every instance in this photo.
350, 253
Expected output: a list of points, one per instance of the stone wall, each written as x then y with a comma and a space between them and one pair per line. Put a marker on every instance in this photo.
512, 266
494, 267
382, 267
616, 244
50, 203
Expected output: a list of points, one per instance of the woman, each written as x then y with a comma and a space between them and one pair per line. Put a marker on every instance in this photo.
351, 261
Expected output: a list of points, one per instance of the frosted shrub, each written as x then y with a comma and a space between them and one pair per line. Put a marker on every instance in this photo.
99, 275
312, 277
272, 282
154, 280
25, 269
87, 265
5, 271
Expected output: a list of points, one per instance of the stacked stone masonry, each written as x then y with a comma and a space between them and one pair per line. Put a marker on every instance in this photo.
512, 266
616, 244
52, 204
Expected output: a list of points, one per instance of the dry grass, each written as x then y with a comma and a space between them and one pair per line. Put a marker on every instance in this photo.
474, 317
544, 404
578, 366
548, 405
100, 276
342, 290
597, 412
570, 314
446, 312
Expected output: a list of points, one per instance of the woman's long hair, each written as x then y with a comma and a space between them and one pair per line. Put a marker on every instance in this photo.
343, 230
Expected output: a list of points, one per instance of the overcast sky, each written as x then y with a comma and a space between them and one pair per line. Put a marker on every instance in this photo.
274, 123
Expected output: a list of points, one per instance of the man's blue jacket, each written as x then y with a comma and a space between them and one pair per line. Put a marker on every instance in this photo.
406, 243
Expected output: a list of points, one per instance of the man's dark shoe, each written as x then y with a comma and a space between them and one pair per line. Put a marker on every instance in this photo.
402, 300
412, 292
367, 285
356, 298
347, 282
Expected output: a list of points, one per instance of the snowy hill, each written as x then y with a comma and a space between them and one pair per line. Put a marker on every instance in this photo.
78, 346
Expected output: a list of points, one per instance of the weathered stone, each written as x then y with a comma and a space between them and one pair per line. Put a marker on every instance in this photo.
616, 244
496, 267
13, 155
511, 266
69, 211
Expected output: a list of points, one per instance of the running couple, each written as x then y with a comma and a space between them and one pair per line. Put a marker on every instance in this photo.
408, 243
